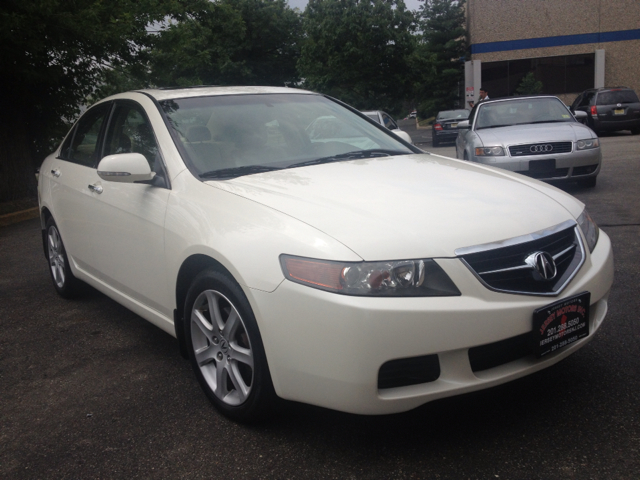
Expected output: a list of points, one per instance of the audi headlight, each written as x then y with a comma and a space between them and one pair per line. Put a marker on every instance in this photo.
589, 229
403, 278
489, 151
588, 143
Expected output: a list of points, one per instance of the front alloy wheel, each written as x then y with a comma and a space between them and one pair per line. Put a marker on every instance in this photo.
222, 348
225, 347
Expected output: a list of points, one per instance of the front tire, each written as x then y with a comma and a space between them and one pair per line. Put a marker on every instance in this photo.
65, 283
225, 347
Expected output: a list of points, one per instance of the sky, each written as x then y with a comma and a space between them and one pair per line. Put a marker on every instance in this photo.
301, 4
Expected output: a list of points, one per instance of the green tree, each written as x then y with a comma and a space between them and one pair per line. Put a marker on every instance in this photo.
52, 54
230, 42
439, 57
358, 51
529, 85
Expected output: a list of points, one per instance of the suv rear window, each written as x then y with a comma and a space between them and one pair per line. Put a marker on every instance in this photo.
617, 96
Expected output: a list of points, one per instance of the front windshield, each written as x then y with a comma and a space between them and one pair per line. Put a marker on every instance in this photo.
230, 135
522, 112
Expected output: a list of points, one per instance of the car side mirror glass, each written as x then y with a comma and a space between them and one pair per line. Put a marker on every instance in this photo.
125, 168
463, 125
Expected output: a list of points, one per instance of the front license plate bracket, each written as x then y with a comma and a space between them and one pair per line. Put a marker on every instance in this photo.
561, 323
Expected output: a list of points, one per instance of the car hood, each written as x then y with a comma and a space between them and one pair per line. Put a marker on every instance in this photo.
538, 133
412, 206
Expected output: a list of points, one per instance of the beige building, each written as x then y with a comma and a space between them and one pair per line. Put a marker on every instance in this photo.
569, 45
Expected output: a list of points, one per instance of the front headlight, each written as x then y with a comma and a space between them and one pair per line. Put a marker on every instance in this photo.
489, 151
589, 229
587, 144
403, 278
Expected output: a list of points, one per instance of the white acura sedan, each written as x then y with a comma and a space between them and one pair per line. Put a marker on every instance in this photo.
346, 269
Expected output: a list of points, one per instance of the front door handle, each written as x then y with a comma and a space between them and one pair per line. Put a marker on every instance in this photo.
95, 188
55, 172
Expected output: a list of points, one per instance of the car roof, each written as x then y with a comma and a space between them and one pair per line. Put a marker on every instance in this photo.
161, 94
516, 97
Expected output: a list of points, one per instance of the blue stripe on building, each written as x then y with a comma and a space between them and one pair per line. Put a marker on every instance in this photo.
558, 41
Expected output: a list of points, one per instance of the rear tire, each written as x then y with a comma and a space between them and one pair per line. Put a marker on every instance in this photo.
225, 348
65, 283
435, 142
635, 131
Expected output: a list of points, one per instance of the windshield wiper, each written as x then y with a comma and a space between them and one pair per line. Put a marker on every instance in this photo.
547, 121
234, 172
498, 126
372, 153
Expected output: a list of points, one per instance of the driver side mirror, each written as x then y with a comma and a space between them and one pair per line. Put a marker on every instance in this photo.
463, 125
125, 168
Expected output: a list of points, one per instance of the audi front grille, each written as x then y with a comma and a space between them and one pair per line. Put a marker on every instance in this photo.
549, 148
523, 265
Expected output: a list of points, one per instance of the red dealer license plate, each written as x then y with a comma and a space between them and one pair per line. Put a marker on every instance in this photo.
561, 323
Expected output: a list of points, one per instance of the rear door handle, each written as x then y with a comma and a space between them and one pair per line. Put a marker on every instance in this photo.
95, 188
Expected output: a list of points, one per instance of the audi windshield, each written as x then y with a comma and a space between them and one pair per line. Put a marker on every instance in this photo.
522, 112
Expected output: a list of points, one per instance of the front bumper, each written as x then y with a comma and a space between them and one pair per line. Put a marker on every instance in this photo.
327, 349
579, 164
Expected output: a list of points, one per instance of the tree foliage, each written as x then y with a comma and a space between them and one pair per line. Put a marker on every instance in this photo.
440, 55
358, 51
57, 56
51, 54
230, 42
529, 85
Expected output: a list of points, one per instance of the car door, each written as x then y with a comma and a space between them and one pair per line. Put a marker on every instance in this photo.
126, 222
466, 136
72, 176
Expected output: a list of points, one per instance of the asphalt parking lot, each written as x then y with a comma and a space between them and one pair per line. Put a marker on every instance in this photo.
90, 390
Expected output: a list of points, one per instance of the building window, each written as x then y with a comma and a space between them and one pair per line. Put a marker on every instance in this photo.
561, 74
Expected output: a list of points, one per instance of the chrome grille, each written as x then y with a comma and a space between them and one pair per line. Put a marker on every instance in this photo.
548, 148
506, 267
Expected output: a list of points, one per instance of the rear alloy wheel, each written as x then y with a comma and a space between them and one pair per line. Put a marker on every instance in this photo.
225, 347
64, 282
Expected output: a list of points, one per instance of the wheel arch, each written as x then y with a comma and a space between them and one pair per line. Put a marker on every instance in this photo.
190, 268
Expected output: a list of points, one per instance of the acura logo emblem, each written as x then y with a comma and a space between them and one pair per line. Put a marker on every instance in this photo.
543, 264
541, 148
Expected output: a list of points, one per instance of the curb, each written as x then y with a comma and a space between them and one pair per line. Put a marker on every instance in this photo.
11, 218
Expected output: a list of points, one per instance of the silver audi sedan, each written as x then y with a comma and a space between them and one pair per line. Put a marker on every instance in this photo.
534, 136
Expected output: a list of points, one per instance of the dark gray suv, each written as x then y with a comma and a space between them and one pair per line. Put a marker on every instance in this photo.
610, 109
